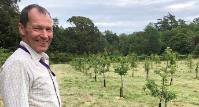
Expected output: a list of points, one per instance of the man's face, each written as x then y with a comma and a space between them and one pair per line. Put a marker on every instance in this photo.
38, 32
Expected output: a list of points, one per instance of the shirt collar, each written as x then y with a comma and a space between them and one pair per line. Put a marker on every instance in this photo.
33, 53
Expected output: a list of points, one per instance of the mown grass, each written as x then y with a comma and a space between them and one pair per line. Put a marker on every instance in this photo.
80, 90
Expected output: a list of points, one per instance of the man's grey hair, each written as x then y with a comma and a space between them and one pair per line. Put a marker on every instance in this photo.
24, 13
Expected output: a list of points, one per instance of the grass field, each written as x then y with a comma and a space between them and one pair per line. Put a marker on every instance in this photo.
79, 90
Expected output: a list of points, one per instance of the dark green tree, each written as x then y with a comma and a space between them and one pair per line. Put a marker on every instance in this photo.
181, 43
123, 44
59, 38
196, 50
9, 16
166, 38
86, 35
153, 42
167, 23
137, 43
112, 42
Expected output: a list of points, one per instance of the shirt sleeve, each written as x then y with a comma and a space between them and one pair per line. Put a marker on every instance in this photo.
14, 85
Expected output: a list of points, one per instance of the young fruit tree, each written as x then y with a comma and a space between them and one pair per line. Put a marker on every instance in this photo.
94, 63
122, 69
77, 64
190, 62
170, 57
104, 66
157, 61
161, 91
81, 64
196, 70
132, 59
147, 67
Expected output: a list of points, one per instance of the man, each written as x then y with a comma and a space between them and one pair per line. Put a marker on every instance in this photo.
25, 78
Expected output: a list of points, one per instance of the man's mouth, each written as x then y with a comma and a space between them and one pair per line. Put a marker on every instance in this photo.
42, 43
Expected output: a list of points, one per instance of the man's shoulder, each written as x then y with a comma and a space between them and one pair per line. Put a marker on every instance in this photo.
18, 57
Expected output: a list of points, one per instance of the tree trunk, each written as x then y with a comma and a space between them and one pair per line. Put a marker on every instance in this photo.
95, 77
121, 91
104, 80
90, 74
165, 104
132, 73
121, 88
167, 64
161, 96
171, 81
147, 75
160, 103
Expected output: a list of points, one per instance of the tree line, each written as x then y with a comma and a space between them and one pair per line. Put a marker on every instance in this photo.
83, 37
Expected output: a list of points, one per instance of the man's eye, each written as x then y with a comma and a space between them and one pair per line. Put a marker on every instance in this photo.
49, 30
37, 28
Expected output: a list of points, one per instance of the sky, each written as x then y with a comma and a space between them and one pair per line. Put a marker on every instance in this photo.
118, 16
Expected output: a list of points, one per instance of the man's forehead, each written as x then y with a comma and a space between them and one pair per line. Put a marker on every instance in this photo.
35, 16
39, 11
40, 25
34, 11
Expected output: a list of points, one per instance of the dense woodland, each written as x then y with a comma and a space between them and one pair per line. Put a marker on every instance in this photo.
83, 37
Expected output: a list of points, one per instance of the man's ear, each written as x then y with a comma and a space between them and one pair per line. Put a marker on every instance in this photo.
21, 29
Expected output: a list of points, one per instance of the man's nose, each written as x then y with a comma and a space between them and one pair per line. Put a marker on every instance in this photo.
45, 33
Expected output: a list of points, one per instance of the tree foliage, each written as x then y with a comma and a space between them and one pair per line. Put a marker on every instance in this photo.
86, 34
9, 16
83, 37
167, 23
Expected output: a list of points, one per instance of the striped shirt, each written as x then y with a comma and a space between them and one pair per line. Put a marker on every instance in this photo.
25, 82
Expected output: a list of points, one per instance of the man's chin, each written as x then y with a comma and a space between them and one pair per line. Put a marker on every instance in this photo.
42, 50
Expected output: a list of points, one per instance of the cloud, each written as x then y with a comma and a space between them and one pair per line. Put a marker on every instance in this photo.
120, 16
127, 3
182, 6
190, 18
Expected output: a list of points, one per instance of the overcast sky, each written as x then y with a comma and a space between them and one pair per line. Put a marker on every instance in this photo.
119, 16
